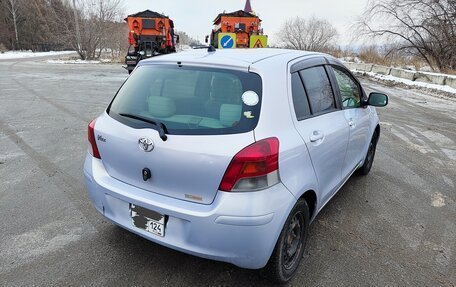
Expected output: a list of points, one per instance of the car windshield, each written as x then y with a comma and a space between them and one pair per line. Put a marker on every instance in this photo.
190, 100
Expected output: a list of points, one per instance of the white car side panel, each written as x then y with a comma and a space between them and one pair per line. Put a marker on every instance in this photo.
295, 168
359, 118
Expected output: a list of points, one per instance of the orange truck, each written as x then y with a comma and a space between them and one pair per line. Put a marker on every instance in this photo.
239, 29
151, 34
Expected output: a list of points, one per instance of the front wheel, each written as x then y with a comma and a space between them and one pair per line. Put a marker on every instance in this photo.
289, 248
369, 159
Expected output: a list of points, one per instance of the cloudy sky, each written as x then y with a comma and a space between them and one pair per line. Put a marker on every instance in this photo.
195, 16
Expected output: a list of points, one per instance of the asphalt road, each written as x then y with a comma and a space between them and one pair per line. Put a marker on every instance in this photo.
395, 227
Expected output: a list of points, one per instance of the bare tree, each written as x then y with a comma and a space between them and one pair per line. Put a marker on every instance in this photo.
108, 12
43, 27
13, 8
185, 39
311, 35
94, 18
420, 28
76, 26
87, 26
117, 43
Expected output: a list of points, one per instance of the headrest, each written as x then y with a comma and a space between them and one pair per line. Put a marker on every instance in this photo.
226, 88
229, 114
161, 107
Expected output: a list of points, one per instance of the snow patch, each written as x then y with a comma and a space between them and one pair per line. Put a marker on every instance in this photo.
438, 200
390, 78
29, 54
450, 153
351, 60
79, 61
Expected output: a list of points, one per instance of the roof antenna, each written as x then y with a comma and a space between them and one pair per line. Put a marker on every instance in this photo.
211, 49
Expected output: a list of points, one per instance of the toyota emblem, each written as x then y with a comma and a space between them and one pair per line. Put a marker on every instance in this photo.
146, 144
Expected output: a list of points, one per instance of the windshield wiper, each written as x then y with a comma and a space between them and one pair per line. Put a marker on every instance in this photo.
162, 130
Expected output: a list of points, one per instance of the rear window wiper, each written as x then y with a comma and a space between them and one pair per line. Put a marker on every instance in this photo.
162, 130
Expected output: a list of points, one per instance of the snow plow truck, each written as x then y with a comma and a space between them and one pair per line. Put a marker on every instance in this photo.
150, 34
239, 29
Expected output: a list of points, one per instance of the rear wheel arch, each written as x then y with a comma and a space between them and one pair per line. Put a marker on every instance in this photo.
289, 248
311, 198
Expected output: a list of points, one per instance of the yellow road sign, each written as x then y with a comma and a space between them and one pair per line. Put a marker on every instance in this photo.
258, 41
226, 40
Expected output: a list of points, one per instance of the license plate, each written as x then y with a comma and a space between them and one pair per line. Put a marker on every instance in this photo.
148, 220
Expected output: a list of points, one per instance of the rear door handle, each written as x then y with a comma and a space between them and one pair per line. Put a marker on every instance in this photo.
316, 136
351, 123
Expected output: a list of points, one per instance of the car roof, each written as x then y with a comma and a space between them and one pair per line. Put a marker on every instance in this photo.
229, 57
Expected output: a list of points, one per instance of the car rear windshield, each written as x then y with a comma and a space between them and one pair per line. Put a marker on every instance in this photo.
190, 100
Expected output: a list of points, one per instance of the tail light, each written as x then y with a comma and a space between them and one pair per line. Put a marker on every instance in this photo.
93, 149
255, 167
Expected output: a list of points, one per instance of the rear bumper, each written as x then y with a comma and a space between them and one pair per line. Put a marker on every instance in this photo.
238, 228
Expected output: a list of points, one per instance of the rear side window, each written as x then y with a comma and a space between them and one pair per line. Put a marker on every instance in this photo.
301, 105
190, 100
318, 89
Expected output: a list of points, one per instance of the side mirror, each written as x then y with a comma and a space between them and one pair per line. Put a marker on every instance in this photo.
206, 39
377, 100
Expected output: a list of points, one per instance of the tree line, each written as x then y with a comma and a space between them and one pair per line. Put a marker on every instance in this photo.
425, 29
410, 30
422, 30
86, 26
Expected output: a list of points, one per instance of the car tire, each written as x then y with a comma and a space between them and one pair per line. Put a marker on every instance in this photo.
281, 267
370, 155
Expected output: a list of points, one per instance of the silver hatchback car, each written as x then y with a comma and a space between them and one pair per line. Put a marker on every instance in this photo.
229, 155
